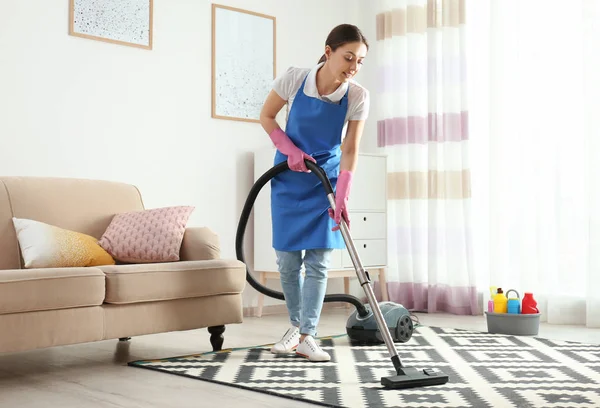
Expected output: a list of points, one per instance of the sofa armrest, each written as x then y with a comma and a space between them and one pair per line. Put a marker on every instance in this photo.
199, 244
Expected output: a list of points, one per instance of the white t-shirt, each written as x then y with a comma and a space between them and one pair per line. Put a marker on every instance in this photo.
288, 84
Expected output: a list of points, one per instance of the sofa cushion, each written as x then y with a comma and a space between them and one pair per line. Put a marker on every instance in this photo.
46, 246
199, 244
26, 290
147, 236
167, 281
81, 205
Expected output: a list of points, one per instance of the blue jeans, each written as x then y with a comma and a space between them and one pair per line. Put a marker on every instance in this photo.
304, 295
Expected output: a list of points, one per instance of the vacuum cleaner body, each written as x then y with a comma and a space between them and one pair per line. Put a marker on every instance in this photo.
365, 329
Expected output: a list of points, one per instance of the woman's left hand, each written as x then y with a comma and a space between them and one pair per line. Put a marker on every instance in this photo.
342, 193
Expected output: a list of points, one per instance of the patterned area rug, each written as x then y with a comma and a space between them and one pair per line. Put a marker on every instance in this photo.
485, 370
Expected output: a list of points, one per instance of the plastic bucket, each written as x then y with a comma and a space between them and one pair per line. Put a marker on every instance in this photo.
514, 324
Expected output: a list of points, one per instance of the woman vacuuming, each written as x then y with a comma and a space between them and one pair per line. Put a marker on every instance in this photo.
323, 104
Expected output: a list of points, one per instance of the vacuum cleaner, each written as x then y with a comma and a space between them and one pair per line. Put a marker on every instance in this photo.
372, 323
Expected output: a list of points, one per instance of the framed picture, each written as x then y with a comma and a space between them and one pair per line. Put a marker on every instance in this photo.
243, 62
125, 22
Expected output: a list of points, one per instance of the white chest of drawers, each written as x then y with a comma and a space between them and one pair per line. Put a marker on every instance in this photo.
367, 208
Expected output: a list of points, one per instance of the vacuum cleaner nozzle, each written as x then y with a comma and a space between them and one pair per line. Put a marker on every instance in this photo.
410, 377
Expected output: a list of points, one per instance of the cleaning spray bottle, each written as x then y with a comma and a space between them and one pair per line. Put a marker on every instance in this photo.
500, 302
493, 291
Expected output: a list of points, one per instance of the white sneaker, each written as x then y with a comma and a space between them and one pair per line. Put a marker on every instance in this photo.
311, 350
288, 342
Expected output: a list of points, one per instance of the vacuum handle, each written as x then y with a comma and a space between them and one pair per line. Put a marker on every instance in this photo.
320, 173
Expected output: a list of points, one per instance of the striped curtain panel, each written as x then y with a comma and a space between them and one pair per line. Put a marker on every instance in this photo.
422, 118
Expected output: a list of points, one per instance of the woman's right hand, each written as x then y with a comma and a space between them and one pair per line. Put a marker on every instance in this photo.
286, 146
296, 161
272, 105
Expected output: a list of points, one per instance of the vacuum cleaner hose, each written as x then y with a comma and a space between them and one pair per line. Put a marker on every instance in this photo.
239, 239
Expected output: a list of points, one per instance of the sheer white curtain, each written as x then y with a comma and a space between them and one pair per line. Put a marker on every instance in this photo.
422, 117
536, 178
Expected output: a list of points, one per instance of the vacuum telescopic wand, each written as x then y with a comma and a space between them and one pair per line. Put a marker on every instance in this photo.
406, 377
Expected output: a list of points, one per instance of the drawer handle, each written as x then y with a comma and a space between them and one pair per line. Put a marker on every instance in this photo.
365, 245
365, 218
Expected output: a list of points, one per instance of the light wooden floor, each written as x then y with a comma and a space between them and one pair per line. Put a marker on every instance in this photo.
96, 374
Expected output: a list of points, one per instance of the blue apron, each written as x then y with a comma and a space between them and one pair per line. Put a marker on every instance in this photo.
299, 205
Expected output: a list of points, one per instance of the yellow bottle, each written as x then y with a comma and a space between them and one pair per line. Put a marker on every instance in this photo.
500, 302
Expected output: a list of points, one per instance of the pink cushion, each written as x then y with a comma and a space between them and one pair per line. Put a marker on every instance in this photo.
147, 236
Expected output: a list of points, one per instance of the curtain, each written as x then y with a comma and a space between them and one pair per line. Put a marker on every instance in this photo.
422, 127
541, 164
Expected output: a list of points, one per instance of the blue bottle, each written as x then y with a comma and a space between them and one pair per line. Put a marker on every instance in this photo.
513, 304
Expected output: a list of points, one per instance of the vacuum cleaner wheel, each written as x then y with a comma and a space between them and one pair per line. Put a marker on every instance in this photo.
404, 329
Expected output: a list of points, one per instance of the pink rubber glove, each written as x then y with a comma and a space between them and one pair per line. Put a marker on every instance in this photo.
286, 146
342, 191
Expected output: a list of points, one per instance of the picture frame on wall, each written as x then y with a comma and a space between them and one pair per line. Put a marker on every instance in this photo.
243, 62
123, 22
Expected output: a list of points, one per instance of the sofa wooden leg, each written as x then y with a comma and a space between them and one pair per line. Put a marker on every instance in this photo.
216, 337
124, 338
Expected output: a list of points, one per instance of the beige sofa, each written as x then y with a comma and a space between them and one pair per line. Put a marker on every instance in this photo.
58, 306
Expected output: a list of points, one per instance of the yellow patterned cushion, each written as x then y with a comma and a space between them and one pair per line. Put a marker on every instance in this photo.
46, 246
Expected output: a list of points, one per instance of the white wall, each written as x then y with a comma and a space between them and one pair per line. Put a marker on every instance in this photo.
72, 107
